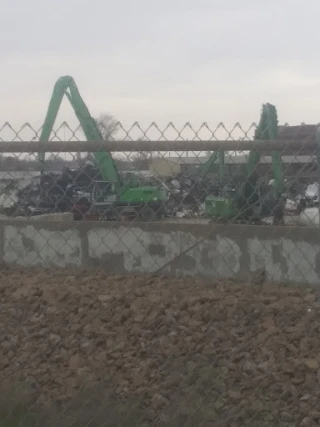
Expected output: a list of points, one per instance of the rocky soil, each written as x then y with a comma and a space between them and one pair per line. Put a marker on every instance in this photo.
139, 351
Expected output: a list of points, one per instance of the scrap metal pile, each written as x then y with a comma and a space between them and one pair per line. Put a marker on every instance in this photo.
51, 192
69, 189
62, 191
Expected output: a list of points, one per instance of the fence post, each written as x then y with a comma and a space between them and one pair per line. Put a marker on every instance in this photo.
318, 166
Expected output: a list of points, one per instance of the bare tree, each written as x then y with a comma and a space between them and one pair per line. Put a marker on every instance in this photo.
107, 126
141, 160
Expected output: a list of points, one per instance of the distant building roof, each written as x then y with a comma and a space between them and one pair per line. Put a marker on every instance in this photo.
302, 132
240, 160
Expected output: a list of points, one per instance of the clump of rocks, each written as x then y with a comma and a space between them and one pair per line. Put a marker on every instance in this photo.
156, 350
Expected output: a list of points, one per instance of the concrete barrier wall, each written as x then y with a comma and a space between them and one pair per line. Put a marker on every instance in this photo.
286, 254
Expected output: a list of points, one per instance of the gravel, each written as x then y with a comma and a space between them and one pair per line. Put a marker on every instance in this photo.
155, 350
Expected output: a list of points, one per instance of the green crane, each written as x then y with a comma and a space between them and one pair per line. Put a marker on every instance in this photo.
267, 130
145, 201
242, 205
67, 86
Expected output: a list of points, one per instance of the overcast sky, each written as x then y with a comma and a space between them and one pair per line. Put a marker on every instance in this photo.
148, 60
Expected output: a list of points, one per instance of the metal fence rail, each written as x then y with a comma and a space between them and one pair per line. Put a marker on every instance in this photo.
106, 312
284, 146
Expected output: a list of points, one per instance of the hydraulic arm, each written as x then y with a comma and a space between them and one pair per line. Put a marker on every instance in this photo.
66, 86
267, 130
243, 204
138, 201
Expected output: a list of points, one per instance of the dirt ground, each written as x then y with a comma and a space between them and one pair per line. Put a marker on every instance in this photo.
140, 351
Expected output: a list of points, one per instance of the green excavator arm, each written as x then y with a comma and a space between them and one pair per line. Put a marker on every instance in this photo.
247, 196
267, 130
67, 86
211, 162
207, 166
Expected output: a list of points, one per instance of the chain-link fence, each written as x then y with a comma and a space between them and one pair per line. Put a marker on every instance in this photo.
197, 173
143, 283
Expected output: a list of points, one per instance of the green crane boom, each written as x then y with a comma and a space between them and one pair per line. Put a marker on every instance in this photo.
267, 130
247, 195
67, 86
140, 201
